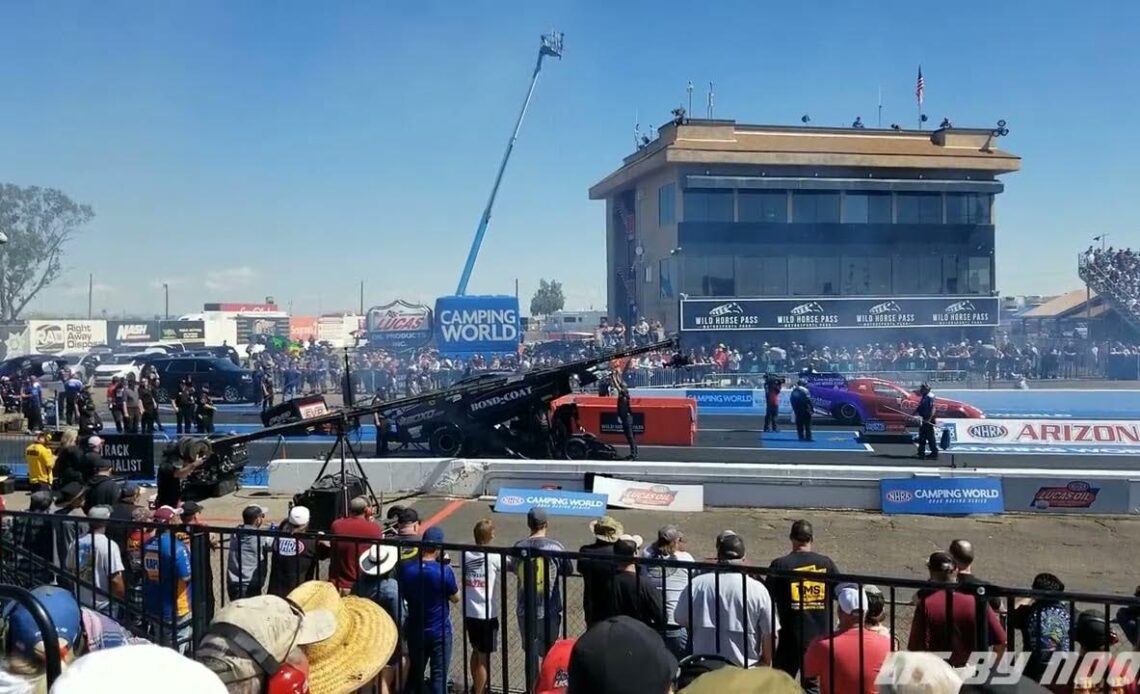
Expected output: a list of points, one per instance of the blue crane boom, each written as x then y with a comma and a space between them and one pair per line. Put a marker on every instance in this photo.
551, 46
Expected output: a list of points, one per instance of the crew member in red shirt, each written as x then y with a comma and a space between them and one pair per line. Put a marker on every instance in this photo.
346, 555
850, 640
945, 618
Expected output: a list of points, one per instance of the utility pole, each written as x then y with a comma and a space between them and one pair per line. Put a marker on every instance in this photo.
90, 291
166, 300
362, 297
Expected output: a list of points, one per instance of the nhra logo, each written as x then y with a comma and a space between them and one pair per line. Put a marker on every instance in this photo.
730, 309
885, 307
988, 431
1076, 494
509, 396
512, 500
899, 496
806, 309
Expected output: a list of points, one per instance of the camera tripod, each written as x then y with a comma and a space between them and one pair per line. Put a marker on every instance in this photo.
350, 467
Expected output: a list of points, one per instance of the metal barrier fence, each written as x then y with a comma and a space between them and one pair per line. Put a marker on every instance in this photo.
537, 596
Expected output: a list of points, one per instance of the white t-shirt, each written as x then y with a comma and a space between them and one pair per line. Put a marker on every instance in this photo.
99, 559
481, 585
741, 611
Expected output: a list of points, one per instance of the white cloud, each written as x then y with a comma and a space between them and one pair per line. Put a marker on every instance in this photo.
230, 278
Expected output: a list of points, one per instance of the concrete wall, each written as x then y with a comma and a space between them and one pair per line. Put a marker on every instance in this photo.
726, 485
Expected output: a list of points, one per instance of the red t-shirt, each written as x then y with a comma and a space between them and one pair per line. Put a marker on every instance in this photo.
844, 647
345, 561
934, 630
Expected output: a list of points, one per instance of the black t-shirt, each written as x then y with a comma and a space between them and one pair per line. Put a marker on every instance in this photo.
634, 595
295, 561
70, 465
802, 605
597, 575
104, 491
168, 488
88, 463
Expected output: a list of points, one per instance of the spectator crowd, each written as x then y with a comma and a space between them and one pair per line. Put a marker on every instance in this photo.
359, 609
1116, 272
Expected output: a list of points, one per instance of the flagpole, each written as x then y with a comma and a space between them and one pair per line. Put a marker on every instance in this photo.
880, 124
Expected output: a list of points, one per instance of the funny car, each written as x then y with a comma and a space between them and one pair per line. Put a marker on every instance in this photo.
859, 400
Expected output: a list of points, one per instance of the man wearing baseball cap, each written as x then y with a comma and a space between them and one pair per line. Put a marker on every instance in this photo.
296, 558
858, 653
544, 572
248, 562
670, 582
729, 613
98, 562
944, 618
429, 586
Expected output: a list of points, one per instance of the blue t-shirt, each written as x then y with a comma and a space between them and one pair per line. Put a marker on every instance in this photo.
426, 586
166, 588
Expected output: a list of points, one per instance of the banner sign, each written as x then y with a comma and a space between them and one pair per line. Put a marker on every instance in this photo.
186, 331
942, 496
56, 336
610, 423
722, 399
477, 324
122, 332
398, 325
649, 496
131, 455
301, 328
1045, 433
241, 308
1073, 495
838, 313
555, 501
249, 327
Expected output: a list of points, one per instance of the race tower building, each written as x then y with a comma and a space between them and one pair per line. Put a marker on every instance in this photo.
716, 228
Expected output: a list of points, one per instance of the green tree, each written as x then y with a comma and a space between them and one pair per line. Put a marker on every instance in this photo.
547, 299
39, 223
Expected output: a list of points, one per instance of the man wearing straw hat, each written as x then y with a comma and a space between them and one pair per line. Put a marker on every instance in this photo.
362, 644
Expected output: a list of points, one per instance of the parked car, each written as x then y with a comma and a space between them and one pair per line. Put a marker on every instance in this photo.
121, 365
222, 352
83, 364
225, 380
46, 366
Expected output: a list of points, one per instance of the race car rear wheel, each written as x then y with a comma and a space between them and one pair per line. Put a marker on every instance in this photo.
576, 449
446, 441
845, 413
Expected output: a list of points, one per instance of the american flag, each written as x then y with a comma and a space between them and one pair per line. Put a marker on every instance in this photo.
920, 87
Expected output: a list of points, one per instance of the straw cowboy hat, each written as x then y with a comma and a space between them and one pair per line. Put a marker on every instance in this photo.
364, 640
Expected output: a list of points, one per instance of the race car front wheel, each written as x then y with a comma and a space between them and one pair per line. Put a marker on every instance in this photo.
845, 413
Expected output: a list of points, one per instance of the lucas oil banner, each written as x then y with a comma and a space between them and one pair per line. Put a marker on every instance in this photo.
398, 325
486, 325
730, 314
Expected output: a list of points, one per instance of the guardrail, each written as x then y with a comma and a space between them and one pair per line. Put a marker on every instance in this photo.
538, 596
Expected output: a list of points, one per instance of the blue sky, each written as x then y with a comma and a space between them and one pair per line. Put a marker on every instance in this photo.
243, 149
